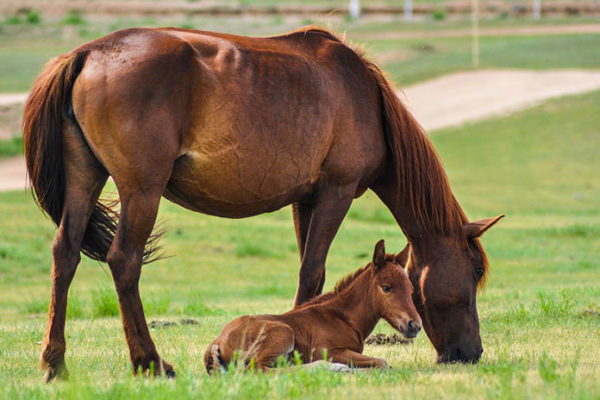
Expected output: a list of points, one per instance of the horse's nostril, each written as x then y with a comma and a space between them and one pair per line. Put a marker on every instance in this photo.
413, 326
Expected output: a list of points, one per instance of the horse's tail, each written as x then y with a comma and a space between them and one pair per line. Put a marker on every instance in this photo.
421, 178
212, 359
47, 107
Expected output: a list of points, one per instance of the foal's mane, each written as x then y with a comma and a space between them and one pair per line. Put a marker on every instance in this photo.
421, 181
339, 287
344, 283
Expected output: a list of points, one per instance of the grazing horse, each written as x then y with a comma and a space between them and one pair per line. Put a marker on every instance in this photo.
335, 324
235, 126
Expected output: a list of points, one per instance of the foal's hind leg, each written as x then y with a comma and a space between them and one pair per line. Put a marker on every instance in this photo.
84, 181
278, 342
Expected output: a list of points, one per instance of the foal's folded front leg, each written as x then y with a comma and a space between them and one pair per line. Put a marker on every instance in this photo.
354, 359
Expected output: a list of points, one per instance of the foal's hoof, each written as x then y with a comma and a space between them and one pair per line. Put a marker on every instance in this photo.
57, 372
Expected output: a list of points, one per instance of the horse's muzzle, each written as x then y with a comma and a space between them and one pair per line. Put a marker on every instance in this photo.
457, 354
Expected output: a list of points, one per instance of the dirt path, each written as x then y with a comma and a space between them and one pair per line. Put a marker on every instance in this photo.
467, 96
450, 100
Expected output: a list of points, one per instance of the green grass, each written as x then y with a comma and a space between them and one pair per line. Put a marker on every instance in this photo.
539, 315
11, 147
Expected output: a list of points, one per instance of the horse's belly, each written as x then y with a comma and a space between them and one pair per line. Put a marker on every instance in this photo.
233, 187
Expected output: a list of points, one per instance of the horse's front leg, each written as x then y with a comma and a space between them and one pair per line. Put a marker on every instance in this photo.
328, 212
356, 360
138, 214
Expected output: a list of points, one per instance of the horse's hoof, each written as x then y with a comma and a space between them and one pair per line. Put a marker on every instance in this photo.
170, 374
58, 372
155, 369
167, 370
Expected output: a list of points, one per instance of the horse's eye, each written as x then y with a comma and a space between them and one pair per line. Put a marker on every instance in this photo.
479, 272
386, 288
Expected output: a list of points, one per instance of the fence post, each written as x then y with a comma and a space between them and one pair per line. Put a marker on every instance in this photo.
408, 10
475, 31
537, 9
354, 9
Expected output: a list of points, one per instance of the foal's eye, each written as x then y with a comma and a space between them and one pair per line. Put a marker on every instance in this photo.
386, 288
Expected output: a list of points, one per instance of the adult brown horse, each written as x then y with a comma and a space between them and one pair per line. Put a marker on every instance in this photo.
335, 324
236, 126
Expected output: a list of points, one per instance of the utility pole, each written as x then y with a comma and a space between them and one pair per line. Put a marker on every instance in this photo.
537, 9
354, 9
475, 31
408, 10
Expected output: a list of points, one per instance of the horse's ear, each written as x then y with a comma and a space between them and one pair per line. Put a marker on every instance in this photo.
477, 228
379, 255
402, 257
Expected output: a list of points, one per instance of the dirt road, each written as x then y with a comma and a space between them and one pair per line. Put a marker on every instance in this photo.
450, 100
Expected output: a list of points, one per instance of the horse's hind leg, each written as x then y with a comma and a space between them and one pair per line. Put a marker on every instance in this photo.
301, 213
139, 207
84, 181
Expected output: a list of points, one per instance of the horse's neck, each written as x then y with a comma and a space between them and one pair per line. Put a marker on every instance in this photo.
356, 307
420, 238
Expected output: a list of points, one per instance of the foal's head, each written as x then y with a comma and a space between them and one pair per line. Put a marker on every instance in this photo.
391, 293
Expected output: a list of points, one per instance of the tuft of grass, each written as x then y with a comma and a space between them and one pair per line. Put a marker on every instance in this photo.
439, 14
33, 17
194, 306
105, 303
13, 20
252, 248
74, 17
36, 307
75, 309
156, 304
11, 147
552, 307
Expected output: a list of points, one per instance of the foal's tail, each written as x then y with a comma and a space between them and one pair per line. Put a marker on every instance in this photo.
212, 359
47, 107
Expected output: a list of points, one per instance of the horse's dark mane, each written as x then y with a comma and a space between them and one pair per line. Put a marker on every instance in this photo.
421, 179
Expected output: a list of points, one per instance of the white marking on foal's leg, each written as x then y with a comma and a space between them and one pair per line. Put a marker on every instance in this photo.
336, 367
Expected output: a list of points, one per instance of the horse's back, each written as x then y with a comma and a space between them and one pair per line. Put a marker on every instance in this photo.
248, 125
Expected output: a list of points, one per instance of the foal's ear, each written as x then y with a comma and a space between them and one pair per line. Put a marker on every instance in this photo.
402, 257
379, 255
477, 228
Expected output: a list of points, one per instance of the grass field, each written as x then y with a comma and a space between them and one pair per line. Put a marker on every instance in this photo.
540, 314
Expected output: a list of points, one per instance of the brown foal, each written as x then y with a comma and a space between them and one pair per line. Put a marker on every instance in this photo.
335, 324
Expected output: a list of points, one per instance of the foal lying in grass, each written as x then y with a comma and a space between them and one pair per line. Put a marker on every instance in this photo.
334, 323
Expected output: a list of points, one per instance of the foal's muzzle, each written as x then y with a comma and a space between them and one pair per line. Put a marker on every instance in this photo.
411, 329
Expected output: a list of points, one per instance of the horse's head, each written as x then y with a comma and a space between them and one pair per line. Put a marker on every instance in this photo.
392, 292
445, 275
